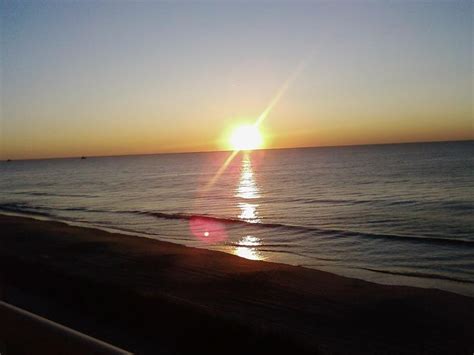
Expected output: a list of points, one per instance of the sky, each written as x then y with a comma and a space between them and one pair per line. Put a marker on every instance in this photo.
130, 77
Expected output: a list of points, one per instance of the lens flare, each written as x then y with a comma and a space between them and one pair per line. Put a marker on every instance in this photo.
207, 230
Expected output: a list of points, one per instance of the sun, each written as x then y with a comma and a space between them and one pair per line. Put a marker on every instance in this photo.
246, 137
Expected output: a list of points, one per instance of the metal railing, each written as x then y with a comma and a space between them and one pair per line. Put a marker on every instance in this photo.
22, 332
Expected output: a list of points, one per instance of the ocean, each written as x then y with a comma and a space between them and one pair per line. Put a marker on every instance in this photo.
392, 214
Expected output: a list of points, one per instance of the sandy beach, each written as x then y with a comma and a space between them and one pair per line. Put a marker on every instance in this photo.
148, 296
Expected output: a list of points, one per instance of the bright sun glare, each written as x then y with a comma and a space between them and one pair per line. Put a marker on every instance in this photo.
246, 137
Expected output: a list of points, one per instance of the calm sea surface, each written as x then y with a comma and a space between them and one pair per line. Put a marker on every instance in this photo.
396, 214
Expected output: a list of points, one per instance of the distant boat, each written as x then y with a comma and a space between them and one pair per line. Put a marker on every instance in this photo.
9, 160
83, 157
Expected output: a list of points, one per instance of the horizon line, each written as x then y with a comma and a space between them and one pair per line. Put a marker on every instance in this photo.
230, 150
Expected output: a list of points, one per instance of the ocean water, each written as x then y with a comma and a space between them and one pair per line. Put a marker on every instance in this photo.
393, 214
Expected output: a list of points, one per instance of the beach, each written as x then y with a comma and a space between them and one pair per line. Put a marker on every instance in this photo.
149, 296
344, 210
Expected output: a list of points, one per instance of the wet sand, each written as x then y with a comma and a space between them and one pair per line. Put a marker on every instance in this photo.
148, 296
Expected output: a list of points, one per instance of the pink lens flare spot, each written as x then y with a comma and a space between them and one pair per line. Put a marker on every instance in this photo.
207, 230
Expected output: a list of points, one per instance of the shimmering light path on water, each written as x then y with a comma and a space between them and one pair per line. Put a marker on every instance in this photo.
391, 214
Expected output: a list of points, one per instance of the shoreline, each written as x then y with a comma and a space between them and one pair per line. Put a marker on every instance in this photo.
460, 287
142, 294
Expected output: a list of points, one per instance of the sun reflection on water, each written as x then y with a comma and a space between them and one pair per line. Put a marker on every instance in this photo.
247, 189
247, 248
249, 212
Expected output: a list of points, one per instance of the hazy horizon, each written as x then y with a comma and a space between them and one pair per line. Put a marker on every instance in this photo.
230, 150
128, 78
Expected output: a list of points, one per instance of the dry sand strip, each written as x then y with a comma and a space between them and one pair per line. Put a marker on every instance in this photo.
147, 296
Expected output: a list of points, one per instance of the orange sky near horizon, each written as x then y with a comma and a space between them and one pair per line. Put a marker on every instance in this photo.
100, 79
146, 144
